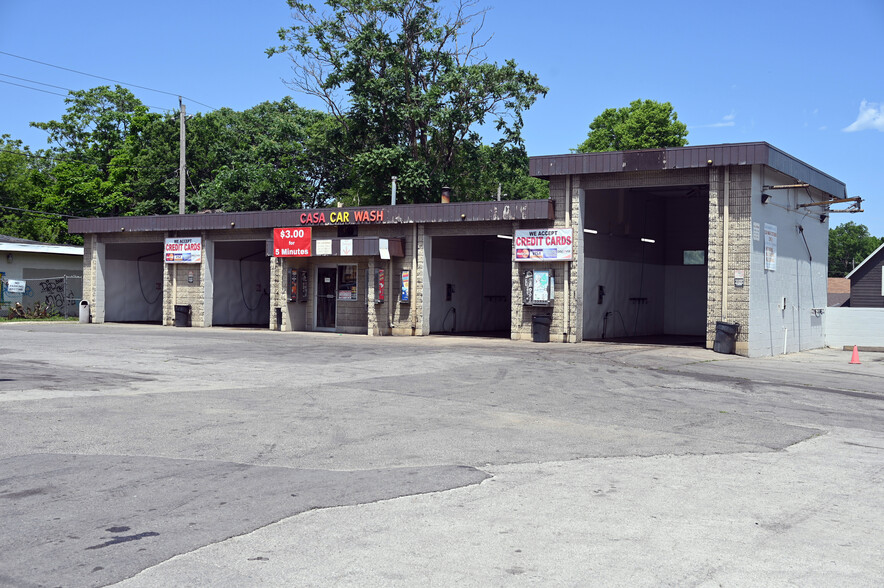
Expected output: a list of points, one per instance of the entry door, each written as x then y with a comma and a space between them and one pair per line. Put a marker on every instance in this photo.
326, 288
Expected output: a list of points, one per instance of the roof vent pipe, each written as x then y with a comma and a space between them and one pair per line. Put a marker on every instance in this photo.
393, 193
446, 195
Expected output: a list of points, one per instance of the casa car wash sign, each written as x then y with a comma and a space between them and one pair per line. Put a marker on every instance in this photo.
543, 244
183, 250
342, 217
292, 242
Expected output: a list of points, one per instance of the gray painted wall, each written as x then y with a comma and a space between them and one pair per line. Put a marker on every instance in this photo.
854, 326
800, 276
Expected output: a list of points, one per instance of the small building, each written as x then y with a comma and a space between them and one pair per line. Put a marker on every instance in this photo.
867, 281
52, 275
676, 243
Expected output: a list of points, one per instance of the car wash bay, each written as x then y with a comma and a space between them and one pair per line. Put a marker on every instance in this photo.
470, 284
241, 284
645, 262
133, 282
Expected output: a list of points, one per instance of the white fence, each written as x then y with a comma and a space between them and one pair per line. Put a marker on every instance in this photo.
854, 326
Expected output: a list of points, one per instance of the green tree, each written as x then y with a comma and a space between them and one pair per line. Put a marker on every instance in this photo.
409, 88
644, 124
22, 187
849, 245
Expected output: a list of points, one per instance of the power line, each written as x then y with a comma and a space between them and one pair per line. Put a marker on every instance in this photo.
35, 89
82, 73
40, 212
59, 87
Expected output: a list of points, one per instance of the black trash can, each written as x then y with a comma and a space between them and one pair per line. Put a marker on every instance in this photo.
725, 337
540, 328
182, 315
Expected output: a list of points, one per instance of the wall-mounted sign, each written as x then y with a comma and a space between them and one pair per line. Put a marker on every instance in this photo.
344, 217
543, 244
183, 250
384, 248
404, 295
346, 246
16, 286
292, 242
770, 247
323, 247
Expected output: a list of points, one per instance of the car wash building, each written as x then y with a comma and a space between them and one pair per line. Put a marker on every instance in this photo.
723, 244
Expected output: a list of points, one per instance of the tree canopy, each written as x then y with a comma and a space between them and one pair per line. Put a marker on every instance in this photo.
410, 88
644, 124
849, 245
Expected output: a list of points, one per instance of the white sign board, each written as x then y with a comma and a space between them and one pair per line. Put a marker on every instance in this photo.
543, 244
770, 247
384, 248
183, 250
346, 246
16, 286
323, 247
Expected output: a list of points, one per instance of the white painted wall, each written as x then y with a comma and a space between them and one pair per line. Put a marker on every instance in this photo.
481, 295
133, 290
32, 267
799, 280
241, 298
854, 326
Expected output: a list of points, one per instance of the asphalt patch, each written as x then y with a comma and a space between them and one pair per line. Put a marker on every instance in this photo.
80, 520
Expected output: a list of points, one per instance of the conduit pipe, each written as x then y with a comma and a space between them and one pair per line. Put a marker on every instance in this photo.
567, 284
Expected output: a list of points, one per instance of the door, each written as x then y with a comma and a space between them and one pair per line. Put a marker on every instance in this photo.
326, 288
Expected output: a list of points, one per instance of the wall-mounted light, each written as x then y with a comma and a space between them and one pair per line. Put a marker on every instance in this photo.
9, 258
591, 231
765, 198
644, 240
510, 237
823, 217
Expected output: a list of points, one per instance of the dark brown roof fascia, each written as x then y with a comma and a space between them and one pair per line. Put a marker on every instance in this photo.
511, 210
699, 156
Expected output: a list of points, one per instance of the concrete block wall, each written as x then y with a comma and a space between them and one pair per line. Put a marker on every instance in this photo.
739, 247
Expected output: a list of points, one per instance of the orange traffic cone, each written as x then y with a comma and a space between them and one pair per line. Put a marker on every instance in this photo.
855, 358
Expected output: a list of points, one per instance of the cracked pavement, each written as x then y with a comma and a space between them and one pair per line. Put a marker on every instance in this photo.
146, 456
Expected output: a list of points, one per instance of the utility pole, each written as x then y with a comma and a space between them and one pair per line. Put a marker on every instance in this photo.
182, 170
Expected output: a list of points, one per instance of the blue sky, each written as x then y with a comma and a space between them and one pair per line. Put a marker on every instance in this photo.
805, 76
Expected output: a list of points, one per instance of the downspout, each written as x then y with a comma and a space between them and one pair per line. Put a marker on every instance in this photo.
567, 288
413, 280
724, 260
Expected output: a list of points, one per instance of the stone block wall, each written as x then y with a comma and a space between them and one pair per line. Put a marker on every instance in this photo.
739, 251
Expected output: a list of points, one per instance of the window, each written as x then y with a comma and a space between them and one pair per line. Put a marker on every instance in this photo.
347, 282
695, 257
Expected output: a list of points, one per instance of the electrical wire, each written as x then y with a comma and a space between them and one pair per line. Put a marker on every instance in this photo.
241, 287
140, 285
40, 212
82, 73
60, 88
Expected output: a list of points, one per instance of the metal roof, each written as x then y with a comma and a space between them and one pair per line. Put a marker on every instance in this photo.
37, 247
870, 256
458, 212
697, 156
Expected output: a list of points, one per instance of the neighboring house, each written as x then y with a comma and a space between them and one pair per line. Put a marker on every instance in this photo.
867, 282
839, 292
861, 324
52, 274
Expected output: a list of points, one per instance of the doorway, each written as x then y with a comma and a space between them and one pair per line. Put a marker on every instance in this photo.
326, 289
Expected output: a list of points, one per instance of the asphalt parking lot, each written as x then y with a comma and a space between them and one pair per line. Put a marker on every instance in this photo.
142, 456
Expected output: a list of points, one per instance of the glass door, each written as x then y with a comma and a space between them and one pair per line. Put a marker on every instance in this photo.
326, 290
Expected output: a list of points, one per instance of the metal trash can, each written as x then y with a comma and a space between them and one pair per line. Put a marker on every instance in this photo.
540, 328
182, 315
725, 337
84, 312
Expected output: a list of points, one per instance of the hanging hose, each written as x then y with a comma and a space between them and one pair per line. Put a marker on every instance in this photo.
140, 285
241, 288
